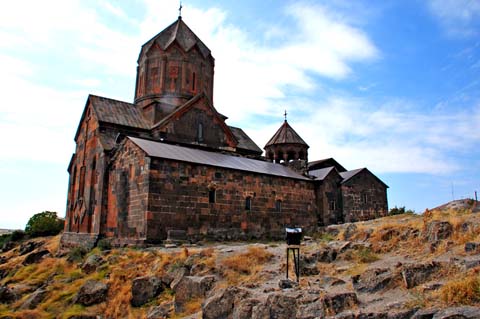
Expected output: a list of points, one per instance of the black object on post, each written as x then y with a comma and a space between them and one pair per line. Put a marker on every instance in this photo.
294, 237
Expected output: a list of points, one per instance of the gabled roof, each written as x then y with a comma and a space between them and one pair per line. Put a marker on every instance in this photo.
196, 156
178, 111
118, 112
327, 162
286, 135
180, 33
350, 174
320, 174
114, 112
244, 141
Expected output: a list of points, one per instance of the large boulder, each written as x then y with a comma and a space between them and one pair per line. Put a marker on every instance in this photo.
334, 303
221, 305
282, 306
34, 299
373, 280
349, 231
426, 313
279, 306
91, 293
287, 284
473, 248
438, 230
160, 312
28, 247
92, 263
36, 257
7, 295
415, 274
465, 312
244, 308
144, 289
191, 287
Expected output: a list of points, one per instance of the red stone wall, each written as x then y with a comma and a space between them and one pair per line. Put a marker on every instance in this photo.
127, 196
364, 198
179, 200
85, 177
171, 77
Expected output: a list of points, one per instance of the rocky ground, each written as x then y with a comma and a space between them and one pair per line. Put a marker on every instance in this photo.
404, 266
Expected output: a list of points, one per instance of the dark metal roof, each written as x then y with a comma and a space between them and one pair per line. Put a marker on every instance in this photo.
286, 135
191, 155
320, 174
350, 174
182, 34
244, 141
327, 162
117, 112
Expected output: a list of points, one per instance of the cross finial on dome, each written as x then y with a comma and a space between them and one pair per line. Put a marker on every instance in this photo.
180, 10
285, 114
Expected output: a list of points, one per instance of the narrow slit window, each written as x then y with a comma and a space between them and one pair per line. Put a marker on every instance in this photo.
332, 205
278, 205
248, 203
200, 132
81, 187
193, 81
364, 198
212, 196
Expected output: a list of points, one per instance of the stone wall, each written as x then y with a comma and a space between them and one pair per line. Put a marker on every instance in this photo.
85, 240
84, 177
179, 199
127, 196
364, 197
329, 200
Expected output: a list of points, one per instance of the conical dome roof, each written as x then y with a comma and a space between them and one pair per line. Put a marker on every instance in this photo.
182, 34
286, 135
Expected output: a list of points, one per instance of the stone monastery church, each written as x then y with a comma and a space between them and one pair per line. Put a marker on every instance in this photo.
168, 163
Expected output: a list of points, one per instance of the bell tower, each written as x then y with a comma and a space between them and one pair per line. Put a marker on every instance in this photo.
173, 67
286, 145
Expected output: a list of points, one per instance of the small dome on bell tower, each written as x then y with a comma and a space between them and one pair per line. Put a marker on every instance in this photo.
286, 145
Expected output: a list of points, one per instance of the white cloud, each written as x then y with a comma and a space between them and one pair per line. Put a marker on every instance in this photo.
459, 17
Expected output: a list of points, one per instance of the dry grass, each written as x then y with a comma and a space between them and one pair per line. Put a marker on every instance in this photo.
463, 291
243, 267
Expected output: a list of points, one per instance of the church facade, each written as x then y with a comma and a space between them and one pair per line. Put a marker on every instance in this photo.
168, 164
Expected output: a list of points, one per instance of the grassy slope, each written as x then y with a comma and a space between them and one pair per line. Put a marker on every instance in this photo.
252, 266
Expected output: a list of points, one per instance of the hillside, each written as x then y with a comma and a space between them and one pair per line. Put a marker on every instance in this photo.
403, 266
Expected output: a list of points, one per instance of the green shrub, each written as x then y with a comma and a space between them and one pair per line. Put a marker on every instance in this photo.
18, 235
400, 210
104, 244
76, 254
44, 224
4, 239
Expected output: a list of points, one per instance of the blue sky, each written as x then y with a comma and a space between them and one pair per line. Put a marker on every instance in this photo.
389, 85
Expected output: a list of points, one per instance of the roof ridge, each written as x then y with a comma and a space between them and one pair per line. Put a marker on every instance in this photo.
107, 98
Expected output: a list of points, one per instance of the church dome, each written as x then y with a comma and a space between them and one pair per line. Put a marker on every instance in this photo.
173, 67
286, 145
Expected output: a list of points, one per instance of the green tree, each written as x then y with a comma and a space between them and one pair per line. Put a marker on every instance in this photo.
44, 224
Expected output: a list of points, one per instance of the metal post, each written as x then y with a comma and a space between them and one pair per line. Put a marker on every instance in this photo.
296, 260
287, 262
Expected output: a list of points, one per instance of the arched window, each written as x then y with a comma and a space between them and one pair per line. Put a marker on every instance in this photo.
248, 203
